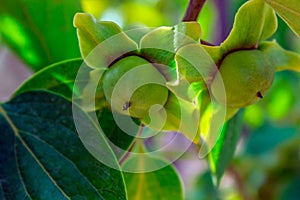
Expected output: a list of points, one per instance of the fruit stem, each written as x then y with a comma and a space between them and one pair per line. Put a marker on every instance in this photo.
193, 10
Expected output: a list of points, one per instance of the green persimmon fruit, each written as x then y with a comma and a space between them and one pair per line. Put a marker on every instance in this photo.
177, 115
132, 85
247, 75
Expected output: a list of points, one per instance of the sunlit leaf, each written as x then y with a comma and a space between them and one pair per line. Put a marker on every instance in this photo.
289, 11
42, 156
58, 78
163, 183
40, 32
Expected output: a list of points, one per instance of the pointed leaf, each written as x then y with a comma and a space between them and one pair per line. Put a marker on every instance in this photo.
289, 11
223, 151
253, 22
92, 33
41, 33
42, 157
280, 58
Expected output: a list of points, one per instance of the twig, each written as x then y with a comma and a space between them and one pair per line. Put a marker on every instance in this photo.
238, 181
127, 154
193, 10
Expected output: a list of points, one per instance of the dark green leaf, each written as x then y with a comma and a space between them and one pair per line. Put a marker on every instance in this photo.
289, 11
40, 32
116, 135
268, 138
223, 151
204, 189
292, 191
42, 157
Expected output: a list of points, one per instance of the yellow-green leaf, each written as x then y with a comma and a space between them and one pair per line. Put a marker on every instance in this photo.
289, 11
160, 184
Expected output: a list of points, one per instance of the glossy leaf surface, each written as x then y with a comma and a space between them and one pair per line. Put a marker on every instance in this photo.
42, 156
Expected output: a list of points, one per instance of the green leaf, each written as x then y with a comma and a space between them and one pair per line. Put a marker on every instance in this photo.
253, 22
42, 156
91, 33
223, 151
40, 32
268, 138
161, 44
58, 78
204, 189
280, 58
291, 192
160, 184
116, 135
289, 11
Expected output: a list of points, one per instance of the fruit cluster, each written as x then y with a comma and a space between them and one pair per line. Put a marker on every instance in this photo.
170, 79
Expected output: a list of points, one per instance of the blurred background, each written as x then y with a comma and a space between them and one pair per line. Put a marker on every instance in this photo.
35, 34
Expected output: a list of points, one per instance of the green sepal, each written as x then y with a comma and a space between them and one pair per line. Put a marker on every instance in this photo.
91, 33
161, 44
280, 58
254, 21
194, 64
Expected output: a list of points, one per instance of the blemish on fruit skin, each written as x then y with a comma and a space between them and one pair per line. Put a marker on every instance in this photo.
126, 106
259, 95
